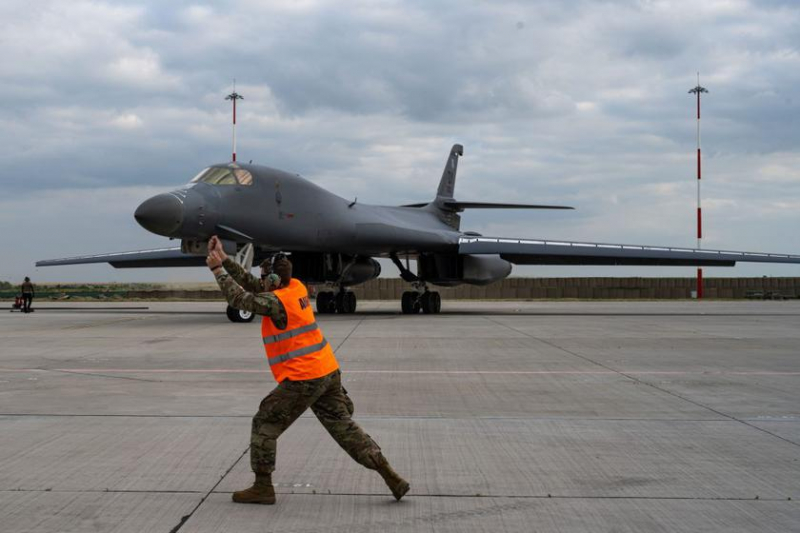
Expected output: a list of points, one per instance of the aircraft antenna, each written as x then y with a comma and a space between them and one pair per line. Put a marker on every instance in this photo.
698, 90
233, 97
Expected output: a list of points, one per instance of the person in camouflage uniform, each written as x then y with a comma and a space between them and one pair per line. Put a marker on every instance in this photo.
326, 396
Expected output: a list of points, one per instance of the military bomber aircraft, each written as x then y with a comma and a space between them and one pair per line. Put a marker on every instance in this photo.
259, 211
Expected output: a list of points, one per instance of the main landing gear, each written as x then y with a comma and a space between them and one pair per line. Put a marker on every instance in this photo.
421, 299
429, 302
342, 302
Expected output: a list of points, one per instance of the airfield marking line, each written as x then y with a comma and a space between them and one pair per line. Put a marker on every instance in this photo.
630, 376
88, 371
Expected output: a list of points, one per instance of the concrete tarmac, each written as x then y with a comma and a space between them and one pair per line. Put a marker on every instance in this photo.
504, 416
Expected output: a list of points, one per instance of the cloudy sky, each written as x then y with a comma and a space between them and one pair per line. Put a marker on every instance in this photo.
581, 103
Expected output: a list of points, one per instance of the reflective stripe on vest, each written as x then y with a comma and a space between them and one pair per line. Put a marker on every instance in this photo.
289, 334
300, 351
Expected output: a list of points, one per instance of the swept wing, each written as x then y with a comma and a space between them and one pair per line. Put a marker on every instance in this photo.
552, 252
159, 257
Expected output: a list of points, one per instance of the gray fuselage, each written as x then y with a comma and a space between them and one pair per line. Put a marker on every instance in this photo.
284, 211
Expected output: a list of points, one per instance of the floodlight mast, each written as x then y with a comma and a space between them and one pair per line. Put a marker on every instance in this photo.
698, 90
233, 97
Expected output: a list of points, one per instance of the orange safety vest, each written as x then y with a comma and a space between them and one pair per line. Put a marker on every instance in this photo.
300, 351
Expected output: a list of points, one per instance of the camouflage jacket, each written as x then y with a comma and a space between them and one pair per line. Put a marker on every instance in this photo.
245, 291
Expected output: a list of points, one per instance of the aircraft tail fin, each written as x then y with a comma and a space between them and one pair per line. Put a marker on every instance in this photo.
448, 182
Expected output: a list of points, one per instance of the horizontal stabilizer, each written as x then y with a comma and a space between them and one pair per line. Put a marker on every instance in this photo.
160, 257
547, 252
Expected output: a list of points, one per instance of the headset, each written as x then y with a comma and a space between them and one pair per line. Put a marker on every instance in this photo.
269, 264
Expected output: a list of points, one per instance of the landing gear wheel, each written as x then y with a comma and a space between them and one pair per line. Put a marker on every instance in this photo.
340, 302
436, 302
239, 315
431, 303
351, 302
346, 302
325, 302
410, 303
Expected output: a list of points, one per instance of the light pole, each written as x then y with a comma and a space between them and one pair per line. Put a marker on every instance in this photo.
233, 97
698, 90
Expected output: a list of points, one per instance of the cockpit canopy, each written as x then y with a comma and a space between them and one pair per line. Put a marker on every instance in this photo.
224, 176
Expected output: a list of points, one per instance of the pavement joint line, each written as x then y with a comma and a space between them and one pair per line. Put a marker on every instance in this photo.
348, 336
383, 314
631, 377
101, 323
547, 497
187, 517
94, 371
106, 491
428, 495
94, 375
725, 420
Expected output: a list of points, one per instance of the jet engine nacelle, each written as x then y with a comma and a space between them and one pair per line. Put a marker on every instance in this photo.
484, 269
360, 271
451, 270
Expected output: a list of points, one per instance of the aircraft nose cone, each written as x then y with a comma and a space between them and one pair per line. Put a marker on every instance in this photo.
161, 214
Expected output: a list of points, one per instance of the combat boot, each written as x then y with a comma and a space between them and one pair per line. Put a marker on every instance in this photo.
262, 491
396, 484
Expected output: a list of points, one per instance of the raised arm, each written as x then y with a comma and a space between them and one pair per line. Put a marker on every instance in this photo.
241, 276
245, 279
265, 303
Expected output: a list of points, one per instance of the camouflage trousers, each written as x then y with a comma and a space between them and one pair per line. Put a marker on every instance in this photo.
329, 401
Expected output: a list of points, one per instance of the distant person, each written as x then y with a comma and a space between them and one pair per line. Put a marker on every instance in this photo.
304, 366
27, 294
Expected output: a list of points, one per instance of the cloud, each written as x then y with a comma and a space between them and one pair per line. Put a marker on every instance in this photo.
140, 68
579, 103
127, 121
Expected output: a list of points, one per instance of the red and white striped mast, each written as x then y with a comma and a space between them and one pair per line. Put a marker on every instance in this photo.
233, 97
698, 90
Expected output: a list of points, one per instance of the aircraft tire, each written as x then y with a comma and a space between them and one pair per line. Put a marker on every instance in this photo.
341, 302
425, 303
436, 302
410, 303
351, 302
324, 302
238, 315
431, 303
406, 303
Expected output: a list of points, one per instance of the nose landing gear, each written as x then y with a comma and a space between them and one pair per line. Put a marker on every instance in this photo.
239, 315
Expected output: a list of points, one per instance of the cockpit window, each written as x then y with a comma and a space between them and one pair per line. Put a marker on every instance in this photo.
243, 176
224, 176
